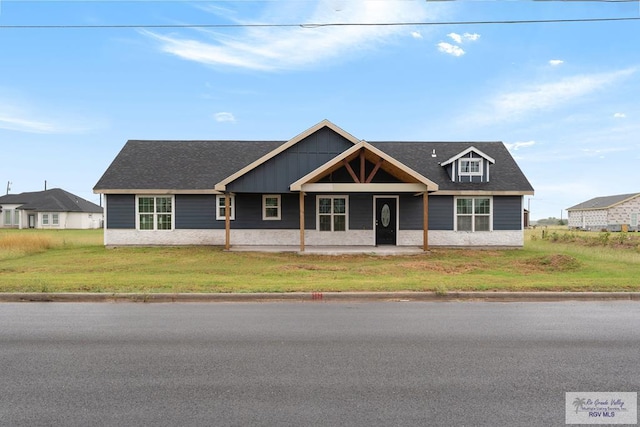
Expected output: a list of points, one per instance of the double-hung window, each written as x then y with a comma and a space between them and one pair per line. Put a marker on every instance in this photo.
473, 214
7, 217
470, 166
155, 212
220, 210
332, 213
271, 207
55, 219
45, 219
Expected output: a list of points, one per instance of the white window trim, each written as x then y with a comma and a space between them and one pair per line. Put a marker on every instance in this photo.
346, 211
55, 219
155, 223
473, 214
44, 219
264, 207
232, 207
470, 159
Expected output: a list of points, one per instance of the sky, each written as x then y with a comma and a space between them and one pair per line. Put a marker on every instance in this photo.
78, 78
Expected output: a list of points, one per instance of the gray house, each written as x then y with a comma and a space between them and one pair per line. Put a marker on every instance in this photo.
53, 209
322, 187
613, 213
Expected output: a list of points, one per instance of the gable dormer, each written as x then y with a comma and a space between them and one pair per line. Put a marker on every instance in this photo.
471, 165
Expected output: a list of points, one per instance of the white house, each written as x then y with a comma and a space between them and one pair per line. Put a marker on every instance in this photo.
52, 209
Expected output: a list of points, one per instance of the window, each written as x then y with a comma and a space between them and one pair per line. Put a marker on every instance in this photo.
470, 166
332, 213
55, 219
7, 217
45, 219
473, 214
155, 213
221, 207
271, 207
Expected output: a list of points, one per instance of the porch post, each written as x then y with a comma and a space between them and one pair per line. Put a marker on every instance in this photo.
301, 221
227, 221
425, 221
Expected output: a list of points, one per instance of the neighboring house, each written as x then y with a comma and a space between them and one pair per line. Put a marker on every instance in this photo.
55, 209
323, 187
612, 213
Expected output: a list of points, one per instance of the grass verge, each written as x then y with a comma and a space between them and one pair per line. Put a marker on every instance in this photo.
76, 261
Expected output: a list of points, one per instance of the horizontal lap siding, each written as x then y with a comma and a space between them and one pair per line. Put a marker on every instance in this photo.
196, 212
507, 213
249, 213
441, 213
360, 212
121, 211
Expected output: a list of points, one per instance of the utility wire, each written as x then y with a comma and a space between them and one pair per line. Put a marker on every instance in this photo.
318, 25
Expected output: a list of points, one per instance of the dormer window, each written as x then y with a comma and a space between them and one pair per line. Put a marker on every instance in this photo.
470, 166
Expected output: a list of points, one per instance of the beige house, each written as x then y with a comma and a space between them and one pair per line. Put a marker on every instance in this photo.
613, 213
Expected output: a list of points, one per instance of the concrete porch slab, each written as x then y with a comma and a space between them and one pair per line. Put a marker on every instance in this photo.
333, 250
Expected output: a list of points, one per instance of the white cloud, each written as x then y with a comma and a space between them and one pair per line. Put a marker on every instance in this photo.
224, 117
556, 62
278, 48
416, 34
545, 96
19, 119
450, 49
455, 37
515, 146
460, 38
620, 115
471, 37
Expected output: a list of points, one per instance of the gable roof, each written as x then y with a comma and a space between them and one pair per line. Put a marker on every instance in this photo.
54, 200
465, 152
605, 202
162, 167
221, 186
506, 175
388, 160
178, 166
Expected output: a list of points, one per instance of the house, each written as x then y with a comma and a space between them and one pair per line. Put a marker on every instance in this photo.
55, 209
322, 187
614, 213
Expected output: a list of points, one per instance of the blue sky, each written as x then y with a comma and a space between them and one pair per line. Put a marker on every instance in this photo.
564, 97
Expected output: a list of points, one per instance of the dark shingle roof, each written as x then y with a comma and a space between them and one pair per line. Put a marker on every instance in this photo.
504, 175
180, 165
603, 202
199, 165
54, 200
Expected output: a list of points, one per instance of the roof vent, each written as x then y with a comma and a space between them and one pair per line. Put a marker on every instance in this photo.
433, 153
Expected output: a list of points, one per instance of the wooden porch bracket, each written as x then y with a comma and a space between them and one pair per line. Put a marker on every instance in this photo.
351, 172
362, 165
374, 171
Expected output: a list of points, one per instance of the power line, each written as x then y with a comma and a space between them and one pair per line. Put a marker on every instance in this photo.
319, 25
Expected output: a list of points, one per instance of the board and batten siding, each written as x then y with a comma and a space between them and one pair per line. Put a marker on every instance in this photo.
276, 174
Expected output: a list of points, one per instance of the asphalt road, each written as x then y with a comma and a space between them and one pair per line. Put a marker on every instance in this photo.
313, 363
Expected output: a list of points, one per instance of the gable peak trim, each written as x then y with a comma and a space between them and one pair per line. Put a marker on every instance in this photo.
467, 151
222, 185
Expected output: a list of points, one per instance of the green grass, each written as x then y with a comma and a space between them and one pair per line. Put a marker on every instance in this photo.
76, 261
